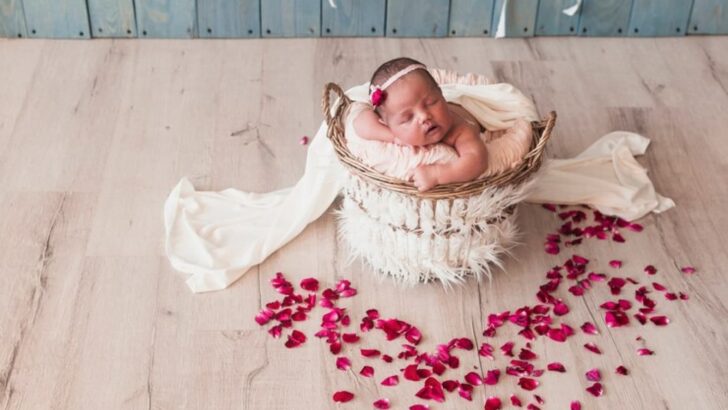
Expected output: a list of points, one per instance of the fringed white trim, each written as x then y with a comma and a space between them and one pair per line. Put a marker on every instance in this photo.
416, 240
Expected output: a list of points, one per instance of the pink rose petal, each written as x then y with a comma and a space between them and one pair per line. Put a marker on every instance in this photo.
507, 348
527, 383
645, 352
595, 389
658, 286
592, 348
556, 367
660, 320
491, 377
615, 263
310, 284
391, 381
622, 370
295, 339
593, 375
450, 385
539, 399
486, 350
350, 337
493, 403
589, 328
650, 270
343, 363
474, 379
381, 404
432, 391
575, 405
465, 391
343, 396
688, 270
516, 401
561, 309
413, 335
419, 407
370, 352
303, 140
526, 354
367, 371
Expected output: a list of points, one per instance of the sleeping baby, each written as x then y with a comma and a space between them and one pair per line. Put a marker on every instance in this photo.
409, 109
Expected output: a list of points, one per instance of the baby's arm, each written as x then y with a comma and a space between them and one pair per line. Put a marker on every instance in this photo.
471, 163
369, 126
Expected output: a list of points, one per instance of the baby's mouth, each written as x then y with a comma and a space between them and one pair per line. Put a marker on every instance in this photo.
432, 128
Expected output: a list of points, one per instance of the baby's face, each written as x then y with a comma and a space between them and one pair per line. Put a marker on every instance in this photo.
415, 111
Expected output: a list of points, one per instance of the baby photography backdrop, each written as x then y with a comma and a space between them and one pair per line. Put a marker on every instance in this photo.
95, 134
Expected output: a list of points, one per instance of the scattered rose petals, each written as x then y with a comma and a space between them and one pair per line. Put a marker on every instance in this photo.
539, 399
527, 383
370, 352
615, 263
622, 370
350, 337
419, 407
650, 270
556, 367
593, 348
493, 403
343, 363
343, 396
391, 381
486, 350
432, 391
367, 371
595, 389
491, 377
465, 391
645, 352
474, 379
295, 339
575, 405
303, 140
689, 270
593, 375
589, 328
310, 284
561, 309
660, 320
658, 287
381, 404
516, 401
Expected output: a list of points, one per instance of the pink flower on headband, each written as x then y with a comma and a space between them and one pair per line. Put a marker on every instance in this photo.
378, 96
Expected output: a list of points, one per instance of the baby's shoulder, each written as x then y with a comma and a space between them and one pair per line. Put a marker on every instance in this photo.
461, 130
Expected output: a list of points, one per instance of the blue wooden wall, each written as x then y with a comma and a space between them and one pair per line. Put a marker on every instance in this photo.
86, 19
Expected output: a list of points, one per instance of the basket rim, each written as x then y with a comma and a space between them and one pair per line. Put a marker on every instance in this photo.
335, 118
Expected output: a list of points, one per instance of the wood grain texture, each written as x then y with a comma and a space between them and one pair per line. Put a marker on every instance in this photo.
659, 18
228, 19
471, 18
56, 19
112, 18
605, 18
417, 18
520, 17
709, 17
290, 18
353, 18
165, 18
551, 20
12, 19
93, 316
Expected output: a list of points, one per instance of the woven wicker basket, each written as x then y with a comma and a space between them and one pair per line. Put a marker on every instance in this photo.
447, 233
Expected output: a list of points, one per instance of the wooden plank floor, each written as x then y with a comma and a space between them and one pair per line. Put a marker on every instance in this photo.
94, 134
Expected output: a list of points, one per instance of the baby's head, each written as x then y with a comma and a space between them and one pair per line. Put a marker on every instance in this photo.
410, 102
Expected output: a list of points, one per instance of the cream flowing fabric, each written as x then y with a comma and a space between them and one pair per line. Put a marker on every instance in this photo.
217, 236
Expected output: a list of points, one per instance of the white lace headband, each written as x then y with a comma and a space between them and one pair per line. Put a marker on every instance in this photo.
377, 91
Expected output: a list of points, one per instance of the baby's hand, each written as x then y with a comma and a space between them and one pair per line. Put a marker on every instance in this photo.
425, 177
